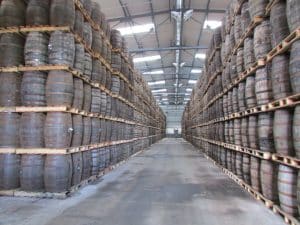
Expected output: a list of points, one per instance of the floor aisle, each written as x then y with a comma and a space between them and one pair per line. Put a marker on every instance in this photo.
167, 185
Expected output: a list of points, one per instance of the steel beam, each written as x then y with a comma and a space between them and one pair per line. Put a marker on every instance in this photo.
126, 18
167, 49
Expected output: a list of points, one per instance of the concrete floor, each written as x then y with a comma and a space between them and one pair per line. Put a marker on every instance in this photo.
168, 185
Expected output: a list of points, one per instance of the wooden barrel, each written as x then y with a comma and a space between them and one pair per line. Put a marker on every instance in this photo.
88, 65
58, 130
32, 130
245, 16
103, 76
237, 132
249, 57
246, 168
228, 159
32, 172
108, 80
255, 173
257, 8
237, 28
229, 103
58, 173
115, 88
96, 100
240, 60
292, 12
280, 77
241, 97
265, 132
108, 105
87, 98
102, 157
61, 48
10, 85
294, 67
62, 13
244, 131
263, 85
87, 34
11, 50
296, 131
36, 49
235, 101
96, 13
97, 70
268, 179
86, 165
79, 60
287, 189
233, 162
9, 170
87, 4
103, 130
96, 129
226, 76
37, 12
12, 13
262, 39
103, 103
76, 168
87, 130
78, 94
59, 88
97, 42
225, 105
9, 130
95, 166
33, 88
252, 132
79, 23
250, 92
116, 61
77, 130
116, 39
283, 120
278, 20
239, 164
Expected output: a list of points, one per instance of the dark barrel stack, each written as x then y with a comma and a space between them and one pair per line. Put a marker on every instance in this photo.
68, 127
244, 114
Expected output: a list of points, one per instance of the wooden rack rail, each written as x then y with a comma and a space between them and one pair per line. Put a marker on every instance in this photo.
70, 150
282, 159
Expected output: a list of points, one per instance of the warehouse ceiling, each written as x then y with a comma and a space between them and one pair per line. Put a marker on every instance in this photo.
174, 33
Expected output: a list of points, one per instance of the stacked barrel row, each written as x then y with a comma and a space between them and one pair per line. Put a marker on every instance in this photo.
60, 130
277, 131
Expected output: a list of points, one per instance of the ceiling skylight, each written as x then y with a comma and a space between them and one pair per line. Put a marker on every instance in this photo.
212, 24
147, 58
153, 72
200, 56
192, 81
137, 29
156, 82
159, 90
196, 71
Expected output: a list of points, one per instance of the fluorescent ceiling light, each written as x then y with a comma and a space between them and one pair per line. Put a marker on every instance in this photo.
200, 56
147, 58
137, 29
186, 99
164, 99
159, 90
192, 81
212, 24
187, 93
189, 89
156, 82
196, 71
154, 72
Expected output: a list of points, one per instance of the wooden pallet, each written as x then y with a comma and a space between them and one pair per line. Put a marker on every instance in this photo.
284, 46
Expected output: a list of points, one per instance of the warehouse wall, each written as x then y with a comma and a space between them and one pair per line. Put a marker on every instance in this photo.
173, 114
